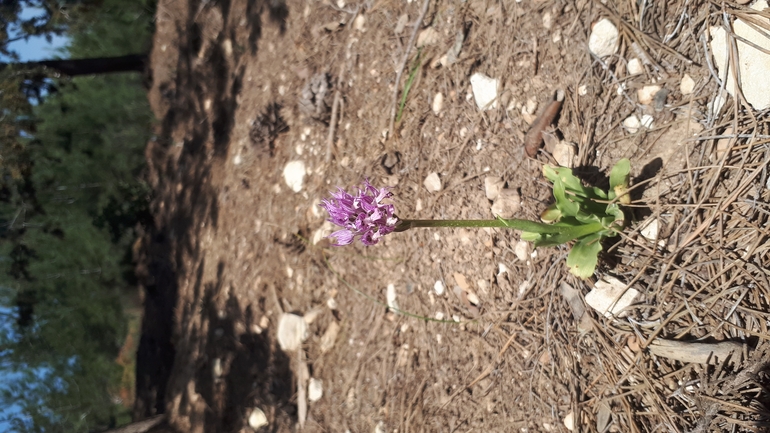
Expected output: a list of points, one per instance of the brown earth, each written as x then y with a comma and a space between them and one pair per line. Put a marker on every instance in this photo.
233, 246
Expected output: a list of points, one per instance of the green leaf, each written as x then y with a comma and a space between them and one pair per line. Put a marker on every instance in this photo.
584, 255
620, 173
566, 206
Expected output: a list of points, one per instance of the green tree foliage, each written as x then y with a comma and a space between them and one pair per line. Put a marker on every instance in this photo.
69, 198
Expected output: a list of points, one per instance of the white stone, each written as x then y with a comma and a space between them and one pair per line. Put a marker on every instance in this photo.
564, 154
604, 38
484, 91
647, 93
428, 36
257, 419
635, 66
502, 269
359, 23
390, 297
492, 186
647, 120
687, 85
569, 421
292, 331
432, 182
438, 103
754, 64
650, 230
632, 124
506, 204
315, 389
583, 90
237, 160
611, 296
294, 175
547, 20
521, 249
401, 23
439, 288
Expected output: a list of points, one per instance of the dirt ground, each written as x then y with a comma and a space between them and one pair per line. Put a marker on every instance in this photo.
234, 247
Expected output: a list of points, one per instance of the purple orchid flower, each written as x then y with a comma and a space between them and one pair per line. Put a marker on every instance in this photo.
363, 215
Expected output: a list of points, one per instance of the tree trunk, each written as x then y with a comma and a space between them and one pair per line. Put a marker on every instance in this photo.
93, 66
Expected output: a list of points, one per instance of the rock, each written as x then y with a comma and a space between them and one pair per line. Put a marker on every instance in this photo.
582, 90
635, 66
569, 421
650, 230
401, 23
484, 91
506, 204
521, 249
428, 36
432, 182
359, 22
604, 39
632, 124
451, 56
439, 288
647, 121
329, 337
438, 103
611, 296
292, 331
547, 20
564, 154
257, 419
315, 389
647, 93
315, 99
390, 297
294, 175
687, 85
754, 64
492, 186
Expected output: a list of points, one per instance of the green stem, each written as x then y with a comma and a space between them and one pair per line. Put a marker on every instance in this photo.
525, 225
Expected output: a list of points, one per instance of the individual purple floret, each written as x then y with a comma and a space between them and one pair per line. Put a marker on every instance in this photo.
361, 215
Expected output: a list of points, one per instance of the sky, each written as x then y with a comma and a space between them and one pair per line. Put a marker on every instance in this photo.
37, 48
34, 48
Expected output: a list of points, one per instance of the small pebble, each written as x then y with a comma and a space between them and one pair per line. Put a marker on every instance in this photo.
439, 288
632, 124
569, 421
492, 186
647, 121
315, 389
484, 91
547, 20
687, 85
635, 66
647, 93
257, 419
506, 204
604, 38
432, 182
359, 23
438, 103
294, 175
